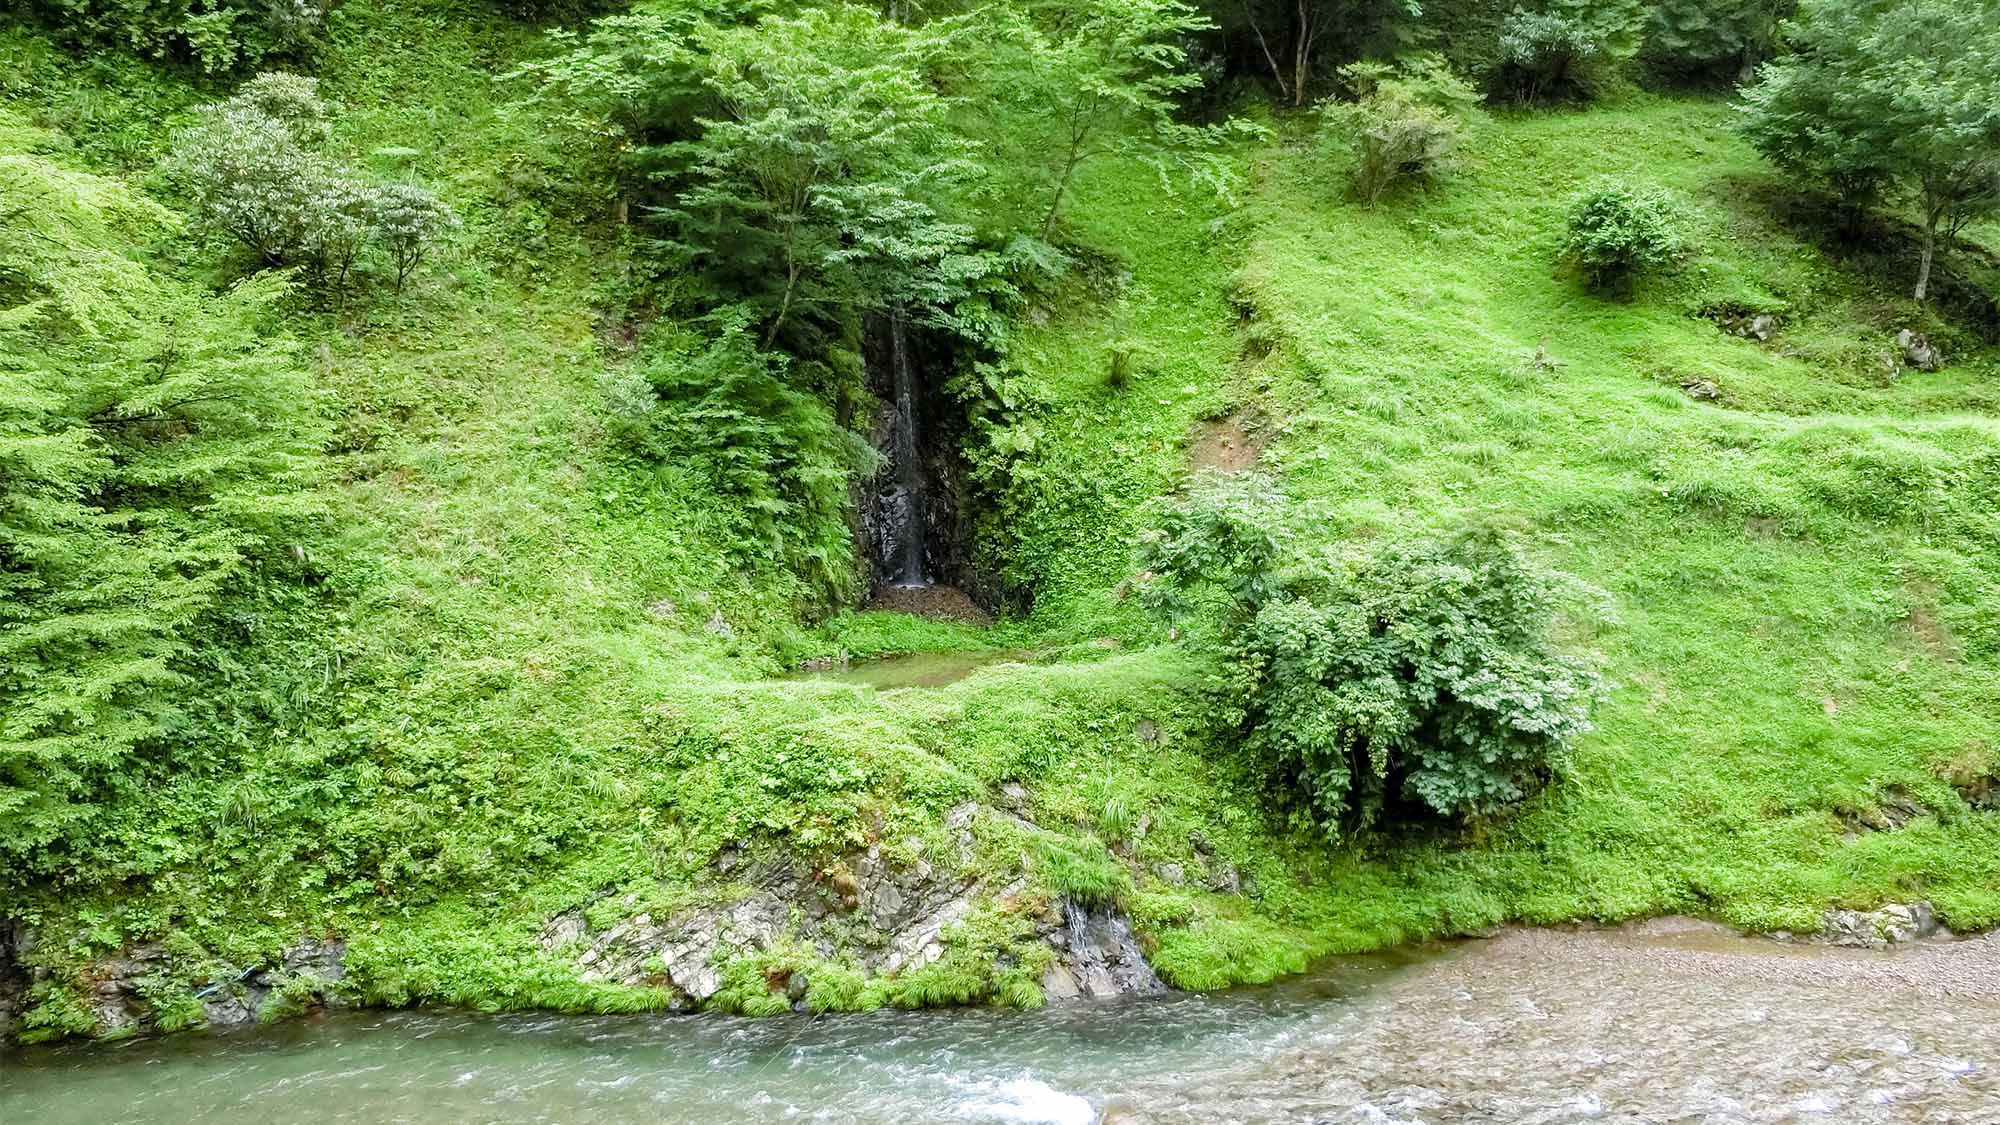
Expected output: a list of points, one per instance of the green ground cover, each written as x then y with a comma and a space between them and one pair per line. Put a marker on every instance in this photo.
530, 670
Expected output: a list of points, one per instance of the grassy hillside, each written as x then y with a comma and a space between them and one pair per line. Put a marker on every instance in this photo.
532, 672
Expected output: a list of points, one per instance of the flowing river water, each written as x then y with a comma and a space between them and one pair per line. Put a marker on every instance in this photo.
1668, 1022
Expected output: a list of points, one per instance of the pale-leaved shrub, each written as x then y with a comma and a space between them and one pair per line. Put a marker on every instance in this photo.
261, 167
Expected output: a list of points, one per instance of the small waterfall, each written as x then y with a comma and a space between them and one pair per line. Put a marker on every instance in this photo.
901, 534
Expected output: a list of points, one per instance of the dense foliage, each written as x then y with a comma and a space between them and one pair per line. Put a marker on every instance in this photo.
817, 170
1713, 41
215, 35
1560, 48
423, 622
1405, 122
1416, 674
1896, 97
1618, 231
154, 441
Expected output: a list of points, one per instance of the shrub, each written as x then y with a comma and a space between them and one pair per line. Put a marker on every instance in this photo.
727, 408
1715, 41
216, 35
156, 450
260, 167
1617, 232
409, 219
1419, 675
1553, 52
1405, 122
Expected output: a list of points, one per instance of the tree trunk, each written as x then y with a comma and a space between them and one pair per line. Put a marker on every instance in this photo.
1301, 55
1924, 262
1277, 72
784, 304
1062, 186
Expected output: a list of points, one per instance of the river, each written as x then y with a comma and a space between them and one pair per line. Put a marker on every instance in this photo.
1668, 1022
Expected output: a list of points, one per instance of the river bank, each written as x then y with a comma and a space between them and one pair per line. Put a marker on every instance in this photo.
1651, 1022
695, 960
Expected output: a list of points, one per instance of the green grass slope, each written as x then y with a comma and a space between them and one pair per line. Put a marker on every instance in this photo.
535, 679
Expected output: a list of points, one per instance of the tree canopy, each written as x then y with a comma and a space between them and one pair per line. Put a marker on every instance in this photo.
1890, 97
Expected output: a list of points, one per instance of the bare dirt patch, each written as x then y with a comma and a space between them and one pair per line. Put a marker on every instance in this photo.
942, 603
1226, 445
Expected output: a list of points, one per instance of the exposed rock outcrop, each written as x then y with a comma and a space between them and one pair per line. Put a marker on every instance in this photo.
1099, 958
882, 918
1918, 351
1895, 924
140, 989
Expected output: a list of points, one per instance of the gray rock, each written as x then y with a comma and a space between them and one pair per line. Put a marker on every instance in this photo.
729, 858
1894, 924
1918, 351
886, 905
563, 929
323, 959
1059, 984
1223, 879
1102, 957
1171, 873
227, 1011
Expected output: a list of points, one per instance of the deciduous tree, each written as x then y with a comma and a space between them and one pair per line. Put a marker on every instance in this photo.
1895, 96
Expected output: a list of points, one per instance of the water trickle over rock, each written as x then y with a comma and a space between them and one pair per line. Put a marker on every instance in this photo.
898, 510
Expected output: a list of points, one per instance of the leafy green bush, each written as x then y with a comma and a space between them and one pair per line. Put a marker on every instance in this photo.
1405, 123
1560, 49
728, 407
1617, 231
1419, 674
1889, 99
1083, 872
1719, 41
260, 167
216, 35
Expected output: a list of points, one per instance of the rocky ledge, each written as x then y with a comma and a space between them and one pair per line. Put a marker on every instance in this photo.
880, 918
142, 990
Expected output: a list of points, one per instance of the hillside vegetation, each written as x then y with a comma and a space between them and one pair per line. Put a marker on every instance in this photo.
450, 653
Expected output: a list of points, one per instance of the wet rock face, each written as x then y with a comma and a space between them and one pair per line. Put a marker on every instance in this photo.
15, 941
917, 512
1099, 958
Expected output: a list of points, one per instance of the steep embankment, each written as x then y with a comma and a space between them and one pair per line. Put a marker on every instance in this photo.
518, 745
